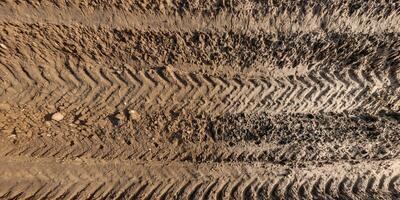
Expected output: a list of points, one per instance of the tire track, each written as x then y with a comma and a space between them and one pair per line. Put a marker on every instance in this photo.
212, 51
299, 153
283, 139
159, 104
159, 90
248, 16
334, 80
43, 178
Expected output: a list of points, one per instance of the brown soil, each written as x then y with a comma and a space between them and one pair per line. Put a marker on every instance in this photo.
199, 100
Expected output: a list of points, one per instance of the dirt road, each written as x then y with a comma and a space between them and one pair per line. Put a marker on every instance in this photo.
215, 99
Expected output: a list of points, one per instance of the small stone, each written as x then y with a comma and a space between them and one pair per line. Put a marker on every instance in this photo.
283, 172
13, 136
3, 46
51, 107
5, 107
169, 69
73, 125
18, 130
8, 131
119, 116
29, 134
134, 115
57, 116
47, 123
176, 143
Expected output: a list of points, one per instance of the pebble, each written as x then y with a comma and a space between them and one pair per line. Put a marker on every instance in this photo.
119, 116
3, 46
8, 131
134, 115
13, 136
283, 172
73, 125
5, 107
29, 134
169, 69
51, 107
57, 116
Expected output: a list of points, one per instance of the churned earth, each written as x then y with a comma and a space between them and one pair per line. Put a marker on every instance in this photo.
216, 99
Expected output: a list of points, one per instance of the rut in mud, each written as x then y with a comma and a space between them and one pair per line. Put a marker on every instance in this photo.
199, 100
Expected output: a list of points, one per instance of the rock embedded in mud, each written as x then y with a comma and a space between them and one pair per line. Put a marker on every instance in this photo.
13, 137
8, 131
3, 46
5, 107
57, 116
283, 172
134, 115
29, 134
119, 117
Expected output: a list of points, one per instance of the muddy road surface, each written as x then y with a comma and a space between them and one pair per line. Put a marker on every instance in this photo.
217, 99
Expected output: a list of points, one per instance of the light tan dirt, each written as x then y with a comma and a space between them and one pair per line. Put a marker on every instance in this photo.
199, 99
